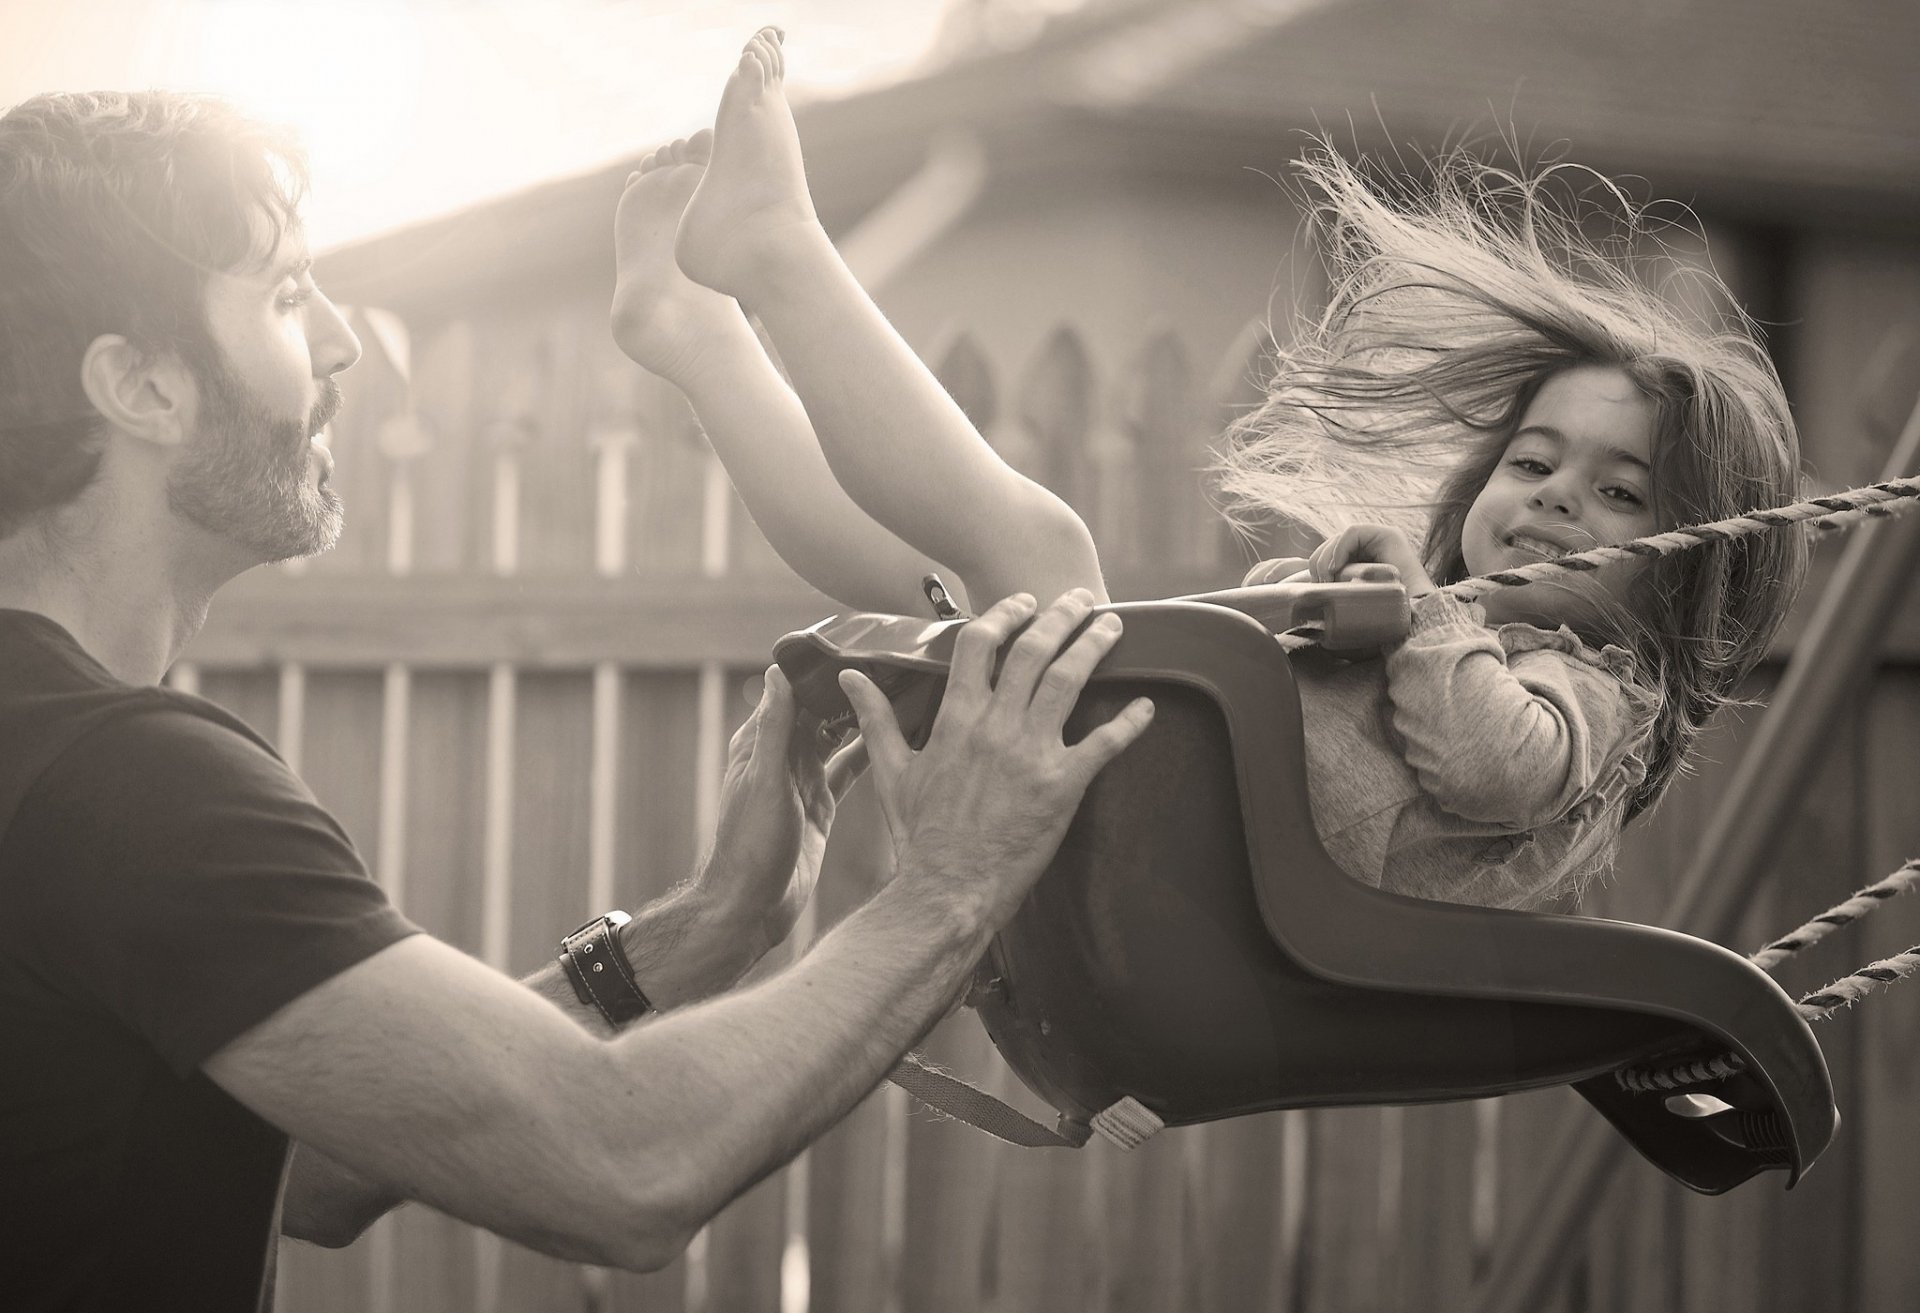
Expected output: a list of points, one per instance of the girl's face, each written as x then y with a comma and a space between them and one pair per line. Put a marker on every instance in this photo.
1578, 473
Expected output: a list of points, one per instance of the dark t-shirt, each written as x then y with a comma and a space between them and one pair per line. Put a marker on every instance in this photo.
166, 883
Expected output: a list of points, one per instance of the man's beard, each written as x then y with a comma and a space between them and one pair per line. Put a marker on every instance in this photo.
244, 477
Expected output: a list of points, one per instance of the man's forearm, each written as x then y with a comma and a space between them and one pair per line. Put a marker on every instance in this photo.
683, 946
760, 1073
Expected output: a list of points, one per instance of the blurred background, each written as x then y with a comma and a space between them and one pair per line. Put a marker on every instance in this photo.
515, 678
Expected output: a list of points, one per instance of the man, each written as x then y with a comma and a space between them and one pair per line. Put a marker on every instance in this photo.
195, 971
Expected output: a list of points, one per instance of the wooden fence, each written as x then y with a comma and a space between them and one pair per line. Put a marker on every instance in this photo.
513, 683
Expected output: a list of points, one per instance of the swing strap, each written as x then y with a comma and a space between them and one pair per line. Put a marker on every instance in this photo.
1127, 1123
974, 1106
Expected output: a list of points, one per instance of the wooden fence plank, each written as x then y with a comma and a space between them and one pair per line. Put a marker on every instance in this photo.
434, 1255
655, 848
553, 734
1055, 402
374, 391
850, 1268
1435, 1247
746, 1241
668, 469
1140, 1219
1821, 861
949, 1182
1036, 1255
1888, 1073
558, 468
1241, 1260
1343, 1258
1168, 444
1236, 390
648, 620
340, 762
450, 511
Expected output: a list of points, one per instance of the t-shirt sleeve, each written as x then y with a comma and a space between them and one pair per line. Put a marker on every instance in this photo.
179, 876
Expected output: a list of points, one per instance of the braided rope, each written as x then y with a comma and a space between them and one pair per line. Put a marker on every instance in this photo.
1817, 1006
1839, 510
1848, 990
1857, 906
1875, 500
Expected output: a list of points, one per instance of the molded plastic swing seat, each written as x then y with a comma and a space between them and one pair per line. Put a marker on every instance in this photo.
1192, 945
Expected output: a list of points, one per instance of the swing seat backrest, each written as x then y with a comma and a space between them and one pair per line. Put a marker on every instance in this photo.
1194, 948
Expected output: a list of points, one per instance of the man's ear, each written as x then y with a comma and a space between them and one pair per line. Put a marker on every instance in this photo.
149, 397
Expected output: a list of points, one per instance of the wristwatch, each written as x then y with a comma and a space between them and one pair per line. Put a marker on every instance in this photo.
601, 976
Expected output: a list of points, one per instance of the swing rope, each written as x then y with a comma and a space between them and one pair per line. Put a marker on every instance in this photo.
1817, 1006
1840, 509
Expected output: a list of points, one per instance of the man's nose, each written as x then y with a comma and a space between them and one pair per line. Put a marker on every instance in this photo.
338, 347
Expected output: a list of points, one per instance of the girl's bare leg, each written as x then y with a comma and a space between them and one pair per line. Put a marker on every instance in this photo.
892, 436
698, 340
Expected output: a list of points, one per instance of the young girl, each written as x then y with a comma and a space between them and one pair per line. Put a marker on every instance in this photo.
1495, 386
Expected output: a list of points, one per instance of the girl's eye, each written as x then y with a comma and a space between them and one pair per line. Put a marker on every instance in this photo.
1625, 496
295, 299
1531, 464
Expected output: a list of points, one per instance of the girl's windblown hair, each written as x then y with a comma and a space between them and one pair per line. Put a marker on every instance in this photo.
1450, 303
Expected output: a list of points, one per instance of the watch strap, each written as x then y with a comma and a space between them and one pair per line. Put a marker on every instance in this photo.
599, 971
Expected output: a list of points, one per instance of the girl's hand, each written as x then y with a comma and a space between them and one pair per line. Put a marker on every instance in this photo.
1356, 553
1276, 570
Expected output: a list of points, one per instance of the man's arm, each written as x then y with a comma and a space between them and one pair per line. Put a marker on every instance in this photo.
777, 803
435, 1078
685, 945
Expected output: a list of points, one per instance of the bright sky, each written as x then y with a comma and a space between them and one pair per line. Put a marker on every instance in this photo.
414, 107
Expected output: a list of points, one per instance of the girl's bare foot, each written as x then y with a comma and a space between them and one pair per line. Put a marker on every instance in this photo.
752, 206
662, 319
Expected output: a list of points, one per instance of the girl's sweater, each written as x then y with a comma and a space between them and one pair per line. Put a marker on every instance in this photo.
1474, 765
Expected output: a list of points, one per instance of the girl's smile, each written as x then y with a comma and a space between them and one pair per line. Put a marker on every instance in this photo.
1578, 473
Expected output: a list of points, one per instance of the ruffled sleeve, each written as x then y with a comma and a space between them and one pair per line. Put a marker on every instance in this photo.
1519, 727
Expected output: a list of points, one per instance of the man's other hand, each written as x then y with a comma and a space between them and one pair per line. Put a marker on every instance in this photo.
983, 806
777, 802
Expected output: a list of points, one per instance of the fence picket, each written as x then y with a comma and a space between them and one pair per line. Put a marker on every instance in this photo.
1243, 1222
1055, 404
849, 1267
949, 1182
340, 762
1889, 1067
552, 790
1155, 404
655, 848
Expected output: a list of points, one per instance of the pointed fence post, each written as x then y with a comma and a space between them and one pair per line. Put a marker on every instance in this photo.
965, 372
1055, 406
1238, 390
1155, 405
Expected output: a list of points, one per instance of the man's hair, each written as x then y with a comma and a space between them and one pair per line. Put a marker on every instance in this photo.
1452, 303
115, 209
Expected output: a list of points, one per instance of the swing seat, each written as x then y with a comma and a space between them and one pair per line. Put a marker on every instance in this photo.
1192, 946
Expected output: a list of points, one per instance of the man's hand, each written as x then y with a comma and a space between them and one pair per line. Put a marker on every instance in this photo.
984, 805
777, 801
